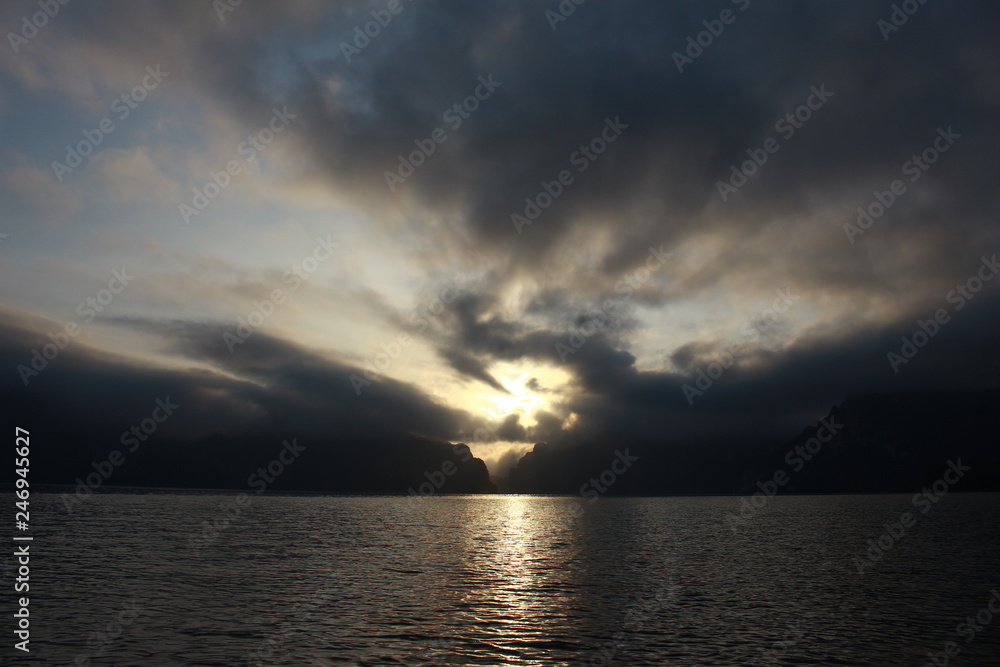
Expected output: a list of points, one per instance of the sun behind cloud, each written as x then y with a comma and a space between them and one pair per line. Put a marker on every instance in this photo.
529, 391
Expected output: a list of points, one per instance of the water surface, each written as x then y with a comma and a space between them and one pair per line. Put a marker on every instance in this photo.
507, 580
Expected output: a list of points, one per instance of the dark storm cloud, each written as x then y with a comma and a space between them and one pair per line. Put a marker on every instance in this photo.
656, 184
219, 425
685, 130
796, 386
760, 393
266, 383
471, 367
511, 429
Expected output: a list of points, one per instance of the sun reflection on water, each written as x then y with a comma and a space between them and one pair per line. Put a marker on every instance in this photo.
518, 598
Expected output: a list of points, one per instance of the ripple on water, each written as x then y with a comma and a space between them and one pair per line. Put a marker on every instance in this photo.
509, 580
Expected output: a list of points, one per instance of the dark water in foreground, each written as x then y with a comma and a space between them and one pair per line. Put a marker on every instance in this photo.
506, 580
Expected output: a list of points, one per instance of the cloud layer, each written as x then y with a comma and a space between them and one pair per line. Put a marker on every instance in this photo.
721, 242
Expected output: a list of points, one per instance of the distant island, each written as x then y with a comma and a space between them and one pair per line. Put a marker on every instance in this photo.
876, 443
883, 443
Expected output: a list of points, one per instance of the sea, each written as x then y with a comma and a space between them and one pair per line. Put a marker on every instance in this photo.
221, 579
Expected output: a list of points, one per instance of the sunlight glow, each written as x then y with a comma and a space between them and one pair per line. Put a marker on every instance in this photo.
531, 388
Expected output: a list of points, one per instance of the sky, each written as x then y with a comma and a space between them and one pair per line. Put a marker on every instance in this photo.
498, 223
